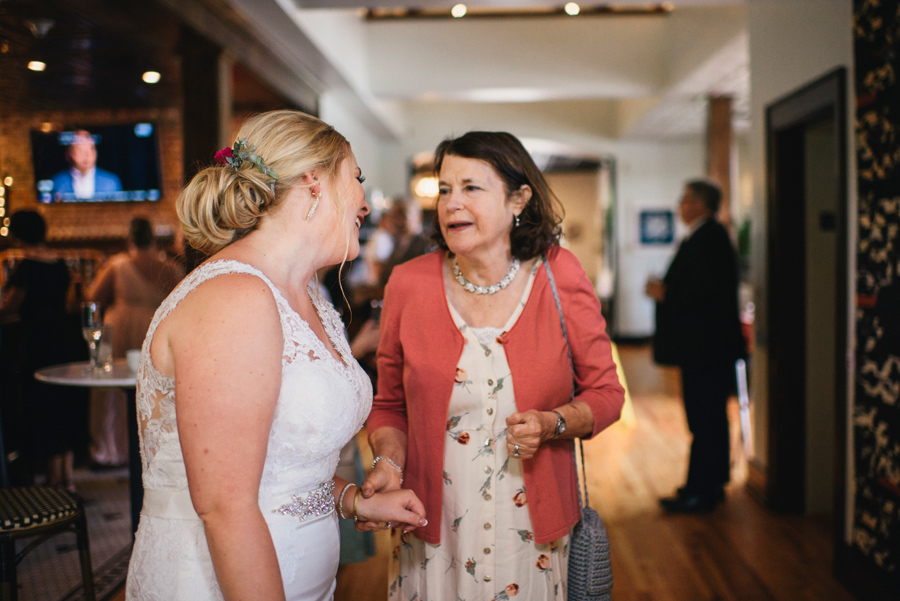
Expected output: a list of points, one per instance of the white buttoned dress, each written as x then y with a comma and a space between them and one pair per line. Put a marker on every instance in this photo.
487, 549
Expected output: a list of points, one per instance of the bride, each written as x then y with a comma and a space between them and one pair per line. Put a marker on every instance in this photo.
247, 389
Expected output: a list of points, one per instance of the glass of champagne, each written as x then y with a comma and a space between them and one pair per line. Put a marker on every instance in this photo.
92, 330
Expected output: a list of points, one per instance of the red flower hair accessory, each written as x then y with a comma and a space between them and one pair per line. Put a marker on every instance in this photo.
243, 152
223, 155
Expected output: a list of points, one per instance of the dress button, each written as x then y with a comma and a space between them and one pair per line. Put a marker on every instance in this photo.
487, 550
487, 577
488, 497
488, 441
487, 469
487, 354
490, 382
490, 411
487, 525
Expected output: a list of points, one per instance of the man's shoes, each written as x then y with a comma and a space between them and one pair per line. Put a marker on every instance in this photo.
718, 494
689, 503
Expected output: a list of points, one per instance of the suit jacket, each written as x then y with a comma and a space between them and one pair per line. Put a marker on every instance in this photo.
104, 181
417, 357
698, 321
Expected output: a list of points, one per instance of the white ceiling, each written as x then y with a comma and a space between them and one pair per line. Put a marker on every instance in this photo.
649, 76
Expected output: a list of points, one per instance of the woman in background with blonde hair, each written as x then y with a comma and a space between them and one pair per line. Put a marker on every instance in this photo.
240, 498
129, 288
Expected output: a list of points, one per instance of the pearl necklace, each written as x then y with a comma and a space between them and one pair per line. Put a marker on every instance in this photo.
476, 289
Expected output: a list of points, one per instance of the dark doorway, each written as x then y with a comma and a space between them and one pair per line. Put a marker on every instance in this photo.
807, 281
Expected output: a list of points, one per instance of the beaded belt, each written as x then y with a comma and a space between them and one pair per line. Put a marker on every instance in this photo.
176, 504
317, 502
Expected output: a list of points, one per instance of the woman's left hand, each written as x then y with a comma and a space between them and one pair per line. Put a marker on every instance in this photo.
526, 431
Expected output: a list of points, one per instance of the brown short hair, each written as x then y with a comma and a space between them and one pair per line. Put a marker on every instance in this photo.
539, 223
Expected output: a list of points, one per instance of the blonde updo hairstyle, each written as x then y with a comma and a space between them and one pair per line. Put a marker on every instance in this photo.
222, 204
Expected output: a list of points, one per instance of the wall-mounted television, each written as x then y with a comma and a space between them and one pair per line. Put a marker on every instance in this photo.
99, 163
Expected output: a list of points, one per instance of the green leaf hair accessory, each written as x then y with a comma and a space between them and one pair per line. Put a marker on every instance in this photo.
243, 152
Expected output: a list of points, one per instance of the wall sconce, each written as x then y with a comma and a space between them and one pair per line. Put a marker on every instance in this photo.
423, 183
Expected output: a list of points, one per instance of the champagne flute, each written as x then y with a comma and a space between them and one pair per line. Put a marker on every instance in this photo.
92, 330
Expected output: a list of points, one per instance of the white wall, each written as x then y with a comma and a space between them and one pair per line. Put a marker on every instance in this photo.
792, 43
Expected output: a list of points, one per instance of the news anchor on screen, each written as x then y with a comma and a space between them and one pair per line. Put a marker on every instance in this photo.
83, 180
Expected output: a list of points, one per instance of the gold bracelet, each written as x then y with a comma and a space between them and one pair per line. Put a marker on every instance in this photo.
341, 500
355, 503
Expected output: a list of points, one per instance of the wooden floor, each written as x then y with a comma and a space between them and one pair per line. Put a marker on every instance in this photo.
739, 553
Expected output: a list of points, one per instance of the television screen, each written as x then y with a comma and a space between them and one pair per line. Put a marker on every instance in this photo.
103, 163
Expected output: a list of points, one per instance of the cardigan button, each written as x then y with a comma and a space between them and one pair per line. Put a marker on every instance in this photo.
487, 577
487, 469
487, 550
490, 411
487, 525
490, 382
488, 497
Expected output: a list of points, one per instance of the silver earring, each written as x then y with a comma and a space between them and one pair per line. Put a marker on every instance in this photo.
516, 223
315, 204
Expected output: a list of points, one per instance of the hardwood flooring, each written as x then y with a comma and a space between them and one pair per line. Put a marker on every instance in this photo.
739, 553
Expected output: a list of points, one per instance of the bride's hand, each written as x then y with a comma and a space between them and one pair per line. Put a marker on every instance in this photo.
393, 507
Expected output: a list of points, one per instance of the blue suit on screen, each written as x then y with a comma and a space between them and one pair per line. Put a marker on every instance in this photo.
104, 181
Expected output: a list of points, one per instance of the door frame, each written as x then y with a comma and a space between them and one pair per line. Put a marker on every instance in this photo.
785, 326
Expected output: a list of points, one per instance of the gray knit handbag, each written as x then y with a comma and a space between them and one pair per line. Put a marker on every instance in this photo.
590, 573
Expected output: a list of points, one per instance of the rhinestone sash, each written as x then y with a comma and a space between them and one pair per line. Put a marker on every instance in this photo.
315, 503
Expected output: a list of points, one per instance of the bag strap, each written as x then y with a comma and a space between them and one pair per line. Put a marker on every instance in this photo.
577, 441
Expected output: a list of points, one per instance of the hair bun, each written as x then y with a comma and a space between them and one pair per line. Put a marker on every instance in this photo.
221, 204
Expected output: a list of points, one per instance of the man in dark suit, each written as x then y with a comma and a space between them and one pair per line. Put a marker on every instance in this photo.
84, 180
698, 329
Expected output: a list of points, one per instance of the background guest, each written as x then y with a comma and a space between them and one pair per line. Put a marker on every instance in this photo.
698, 329
129, 288
37, 291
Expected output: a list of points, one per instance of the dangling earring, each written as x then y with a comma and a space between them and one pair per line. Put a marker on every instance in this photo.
315, 204
516, 222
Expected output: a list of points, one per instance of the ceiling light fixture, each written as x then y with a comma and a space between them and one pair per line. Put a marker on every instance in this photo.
477, 12
36, 66
151, 77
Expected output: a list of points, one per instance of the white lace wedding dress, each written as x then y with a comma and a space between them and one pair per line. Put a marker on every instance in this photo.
322, 404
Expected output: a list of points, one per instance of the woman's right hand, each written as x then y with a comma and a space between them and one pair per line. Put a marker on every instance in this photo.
393, 507
382, 478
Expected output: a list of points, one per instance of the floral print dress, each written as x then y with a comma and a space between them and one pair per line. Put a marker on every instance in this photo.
487, 549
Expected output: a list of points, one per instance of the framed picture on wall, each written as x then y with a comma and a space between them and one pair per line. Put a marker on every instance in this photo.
656, 226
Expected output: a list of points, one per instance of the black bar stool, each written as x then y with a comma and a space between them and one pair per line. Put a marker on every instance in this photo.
38, 512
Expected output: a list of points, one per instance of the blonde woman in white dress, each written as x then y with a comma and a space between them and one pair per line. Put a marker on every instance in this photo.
247, 389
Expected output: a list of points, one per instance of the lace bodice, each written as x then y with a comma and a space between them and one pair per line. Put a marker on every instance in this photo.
323, 402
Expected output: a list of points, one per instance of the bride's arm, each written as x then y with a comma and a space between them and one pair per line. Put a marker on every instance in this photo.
394, 507
226, 343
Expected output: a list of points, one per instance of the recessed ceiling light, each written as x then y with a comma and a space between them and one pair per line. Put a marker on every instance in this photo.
572, 8
458, 11
36, 65
151, 77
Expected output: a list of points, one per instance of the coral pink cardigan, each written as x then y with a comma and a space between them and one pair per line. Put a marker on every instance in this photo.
417, 358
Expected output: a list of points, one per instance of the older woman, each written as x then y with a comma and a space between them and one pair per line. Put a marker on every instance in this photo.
247, 389
473, 408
